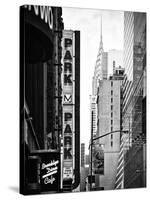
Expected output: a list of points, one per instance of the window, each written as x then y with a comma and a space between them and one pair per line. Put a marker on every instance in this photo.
111, 92
111, 100
111, 128
111, 107
111, 143
111, 83
111, 114
111, 122
111, 136
114, 63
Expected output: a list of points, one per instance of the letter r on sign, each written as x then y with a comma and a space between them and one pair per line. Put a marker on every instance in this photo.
68, 42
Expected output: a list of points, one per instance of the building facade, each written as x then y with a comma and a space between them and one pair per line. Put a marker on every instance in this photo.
134, 100
82, 155
100, 73
115, 60
84, 170
40, 94
109, 112
93, 114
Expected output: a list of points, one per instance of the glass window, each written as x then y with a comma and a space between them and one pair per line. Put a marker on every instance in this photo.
111, 143
111, 128
111, 114
114, 63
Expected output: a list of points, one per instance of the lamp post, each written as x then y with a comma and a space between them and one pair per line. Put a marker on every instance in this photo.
91, 152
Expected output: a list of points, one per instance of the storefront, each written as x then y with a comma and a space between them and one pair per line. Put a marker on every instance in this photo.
40, 28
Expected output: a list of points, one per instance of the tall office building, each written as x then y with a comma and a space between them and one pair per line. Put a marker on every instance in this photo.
109, 119
100, 73
134, 104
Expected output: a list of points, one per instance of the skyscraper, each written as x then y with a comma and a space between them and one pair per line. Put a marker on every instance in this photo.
100, 73
109, 120
133, 100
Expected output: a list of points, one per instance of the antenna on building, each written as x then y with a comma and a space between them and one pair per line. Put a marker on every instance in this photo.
101, 35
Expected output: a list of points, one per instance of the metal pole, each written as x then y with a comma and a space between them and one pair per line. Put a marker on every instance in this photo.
129, 132
91, 151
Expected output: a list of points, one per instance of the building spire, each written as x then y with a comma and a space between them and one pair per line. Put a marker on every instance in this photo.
101, 40
98, 73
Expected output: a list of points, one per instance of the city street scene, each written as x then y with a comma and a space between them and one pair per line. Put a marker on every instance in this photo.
82, 100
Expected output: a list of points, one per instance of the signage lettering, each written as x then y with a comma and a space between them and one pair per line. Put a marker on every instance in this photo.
67, 140
68, 98
68, 92
67, 153
51, 168
67, 129
68, 116
45, 13
67, 79
68, 42
50, 164
49, 180
68, 56
49, 171
68, 172
68, 67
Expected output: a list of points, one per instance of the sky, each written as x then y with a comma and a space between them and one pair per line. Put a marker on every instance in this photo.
88, 22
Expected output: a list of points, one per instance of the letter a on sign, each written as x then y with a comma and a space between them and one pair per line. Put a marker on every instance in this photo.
68, 56
68, 129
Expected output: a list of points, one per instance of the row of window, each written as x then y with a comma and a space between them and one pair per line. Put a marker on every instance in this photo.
111, 142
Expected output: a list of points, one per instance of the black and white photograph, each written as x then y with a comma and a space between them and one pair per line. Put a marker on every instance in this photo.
83, 93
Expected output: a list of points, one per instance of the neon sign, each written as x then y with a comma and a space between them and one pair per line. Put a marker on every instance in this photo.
49, 169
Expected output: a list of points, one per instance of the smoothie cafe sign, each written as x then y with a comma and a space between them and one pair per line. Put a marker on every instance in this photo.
68, 81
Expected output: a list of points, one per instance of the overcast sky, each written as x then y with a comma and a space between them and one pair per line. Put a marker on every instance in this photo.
88, 21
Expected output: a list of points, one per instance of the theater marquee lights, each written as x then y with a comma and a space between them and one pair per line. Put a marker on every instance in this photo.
68, 104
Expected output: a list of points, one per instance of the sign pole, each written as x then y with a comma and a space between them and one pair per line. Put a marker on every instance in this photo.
91, 150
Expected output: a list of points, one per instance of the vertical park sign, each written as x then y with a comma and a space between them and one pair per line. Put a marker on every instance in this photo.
68, 81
